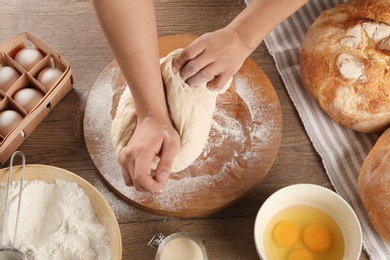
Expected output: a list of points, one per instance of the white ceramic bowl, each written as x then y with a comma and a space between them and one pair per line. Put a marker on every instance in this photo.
320, 197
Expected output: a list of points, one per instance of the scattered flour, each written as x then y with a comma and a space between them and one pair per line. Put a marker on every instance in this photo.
56, 222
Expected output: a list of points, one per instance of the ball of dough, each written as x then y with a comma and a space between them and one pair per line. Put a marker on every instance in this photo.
191, 110
345, 64
374, 185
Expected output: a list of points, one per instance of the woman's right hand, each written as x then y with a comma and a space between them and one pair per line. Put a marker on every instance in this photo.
153, 136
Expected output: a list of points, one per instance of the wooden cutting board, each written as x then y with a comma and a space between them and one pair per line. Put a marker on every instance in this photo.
242, 146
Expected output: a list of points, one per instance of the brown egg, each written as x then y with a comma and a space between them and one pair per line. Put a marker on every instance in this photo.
49, 76
28, 98
28, 58
8, 76
8, 120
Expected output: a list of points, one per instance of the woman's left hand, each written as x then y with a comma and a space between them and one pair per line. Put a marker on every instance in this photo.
214, 58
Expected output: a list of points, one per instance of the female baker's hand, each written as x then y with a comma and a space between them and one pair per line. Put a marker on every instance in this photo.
153, 136
214, 58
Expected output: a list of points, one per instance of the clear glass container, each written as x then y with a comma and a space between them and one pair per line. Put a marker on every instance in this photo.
178, 246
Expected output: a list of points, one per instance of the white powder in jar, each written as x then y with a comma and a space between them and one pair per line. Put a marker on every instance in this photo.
181, 247
56, 222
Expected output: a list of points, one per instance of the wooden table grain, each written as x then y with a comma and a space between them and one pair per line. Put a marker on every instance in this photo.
70, 27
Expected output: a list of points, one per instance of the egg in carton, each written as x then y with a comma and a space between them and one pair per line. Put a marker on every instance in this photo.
33, 80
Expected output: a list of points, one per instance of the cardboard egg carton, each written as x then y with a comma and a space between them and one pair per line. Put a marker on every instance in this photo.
52, 94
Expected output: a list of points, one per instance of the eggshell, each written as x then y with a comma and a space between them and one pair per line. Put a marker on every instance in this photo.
8, 76
49, 76
28, 98
28, 58
8, 120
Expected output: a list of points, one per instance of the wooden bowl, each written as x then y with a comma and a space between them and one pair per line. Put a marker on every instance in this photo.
103, 210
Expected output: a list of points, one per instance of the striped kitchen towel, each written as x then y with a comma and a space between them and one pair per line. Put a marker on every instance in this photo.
342, 150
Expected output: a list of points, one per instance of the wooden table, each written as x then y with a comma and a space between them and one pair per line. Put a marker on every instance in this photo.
72, 29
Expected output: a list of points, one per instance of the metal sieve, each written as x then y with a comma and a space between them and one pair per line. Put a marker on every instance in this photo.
10, 252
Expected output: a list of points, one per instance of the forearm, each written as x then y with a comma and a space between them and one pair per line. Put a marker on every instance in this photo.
260, 17
130, 29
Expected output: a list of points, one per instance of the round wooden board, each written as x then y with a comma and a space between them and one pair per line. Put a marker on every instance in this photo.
103, 210
242, 146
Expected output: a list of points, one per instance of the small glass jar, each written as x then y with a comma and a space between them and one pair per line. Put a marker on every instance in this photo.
178, 246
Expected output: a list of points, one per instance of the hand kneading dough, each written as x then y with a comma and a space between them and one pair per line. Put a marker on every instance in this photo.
374, 185
191, 111
345, 64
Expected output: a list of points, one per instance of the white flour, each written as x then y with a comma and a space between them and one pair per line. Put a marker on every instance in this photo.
56, 222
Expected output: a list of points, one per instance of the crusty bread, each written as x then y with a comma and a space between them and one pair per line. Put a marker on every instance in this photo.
345, 64
374, 185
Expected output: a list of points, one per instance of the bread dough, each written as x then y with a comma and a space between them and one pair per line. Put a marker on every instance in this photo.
191, 110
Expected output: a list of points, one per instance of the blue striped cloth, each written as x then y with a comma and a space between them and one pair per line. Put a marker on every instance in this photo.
342, 150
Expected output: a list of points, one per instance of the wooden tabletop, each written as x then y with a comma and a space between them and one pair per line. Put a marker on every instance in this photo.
72, 29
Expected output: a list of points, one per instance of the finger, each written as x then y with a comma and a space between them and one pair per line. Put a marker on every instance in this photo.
125, 165
195, 66
187, 54
202, 76
178, 64
143, 179
168, 153
126, 176
148, 183
218, 83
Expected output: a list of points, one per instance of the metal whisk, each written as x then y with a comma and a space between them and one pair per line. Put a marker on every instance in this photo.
10, 252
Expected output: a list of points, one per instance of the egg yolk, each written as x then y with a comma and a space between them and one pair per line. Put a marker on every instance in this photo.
300, 254
317, 238
286, 234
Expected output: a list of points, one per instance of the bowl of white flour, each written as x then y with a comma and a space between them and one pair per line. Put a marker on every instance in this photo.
62, 216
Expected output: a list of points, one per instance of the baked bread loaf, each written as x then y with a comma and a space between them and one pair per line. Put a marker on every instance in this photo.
345, 64
374, 185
